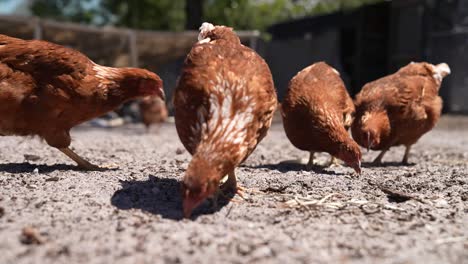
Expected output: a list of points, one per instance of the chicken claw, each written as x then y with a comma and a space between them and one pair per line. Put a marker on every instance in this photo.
311, 165
109, 166
82, 163
333, 162
231, 186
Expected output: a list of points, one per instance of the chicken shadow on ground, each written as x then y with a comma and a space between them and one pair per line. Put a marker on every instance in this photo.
125, 129
159, 196
286, 166
387, 164
27, 167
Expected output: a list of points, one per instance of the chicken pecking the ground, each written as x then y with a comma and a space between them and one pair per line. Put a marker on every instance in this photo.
224, 103
398, 109
153, 111
46, 89
317, 112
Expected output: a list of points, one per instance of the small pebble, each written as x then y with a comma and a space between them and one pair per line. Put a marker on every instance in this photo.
179, 151
54, 178
31, 186
441, 203
119, 227
30, 157
261, 252
30, 235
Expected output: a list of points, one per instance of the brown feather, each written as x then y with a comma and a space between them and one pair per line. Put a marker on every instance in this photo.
399, 108
224, 104
317, 110
46, 89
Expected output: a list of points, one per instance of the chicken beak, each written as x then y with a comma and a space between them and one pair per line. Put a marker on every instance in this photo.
187, 212
162, 94
189, 205
357, 167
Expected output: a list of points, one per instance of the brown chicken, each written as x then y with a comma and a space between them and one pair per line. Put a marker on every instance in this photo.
153, 111
398, 109
46, 89
224, 104
317, 111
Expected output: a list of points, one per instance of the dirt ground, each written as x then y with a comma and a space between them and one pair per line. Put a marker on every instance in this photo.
52, 213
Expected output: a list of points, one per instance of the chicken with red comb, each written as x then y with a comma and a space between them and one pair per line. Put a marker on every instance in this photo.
224, 103
399, 108
317, 112
46, 89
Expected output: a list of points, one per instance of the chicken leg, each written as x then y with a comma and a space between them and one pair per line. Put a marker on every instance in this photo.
227, 188
310, 165
82, 163
231, 186
406, 156
378, 160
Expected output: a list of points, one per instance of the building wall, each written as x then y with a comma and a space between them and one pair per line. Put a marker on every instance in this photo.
377, 40
287, 57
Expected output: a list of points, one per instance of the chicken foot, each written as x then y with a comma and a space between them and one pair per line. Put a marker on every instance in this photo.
231, 186
82, 163
311, 165
228, 188
333, 162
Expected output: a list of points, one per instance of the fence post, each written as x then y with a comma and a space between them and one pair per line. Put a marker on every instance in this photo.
133, 48
253, 39
37, 28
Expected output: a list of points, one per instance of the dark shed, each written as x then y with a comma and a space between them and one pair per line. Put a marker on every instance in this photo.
376, 40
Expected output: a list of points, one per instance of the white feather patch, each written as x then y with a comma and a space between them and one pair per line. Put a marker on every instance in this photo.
230, 112
335, 71
204, 30
440, 71
207, 40
365, 117
105, 73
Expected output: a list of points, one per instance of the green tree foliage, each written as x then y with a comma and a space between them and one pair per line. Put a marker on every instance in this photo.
146, 14
259, 14
245, 14
170, 14
80, 11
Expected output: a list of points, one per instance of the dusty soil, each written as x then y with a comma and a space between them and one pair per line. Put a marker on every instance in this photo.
389, 214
